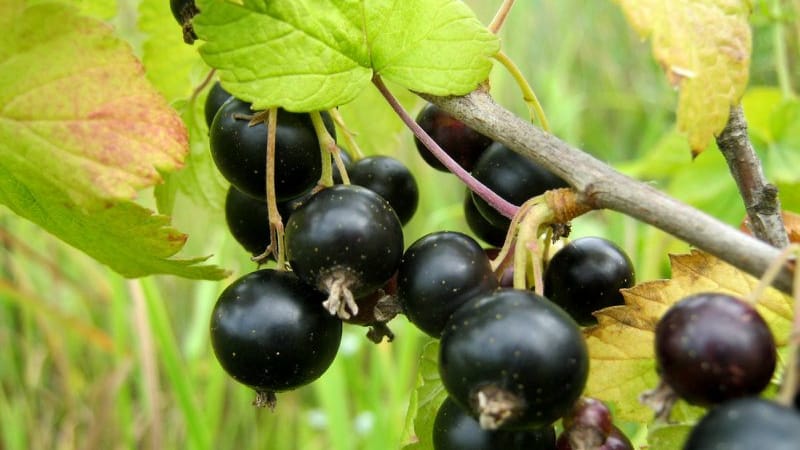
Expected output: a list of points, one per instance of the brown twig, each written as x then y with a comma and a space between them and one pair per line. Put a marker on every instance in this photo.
603, 187
760, 197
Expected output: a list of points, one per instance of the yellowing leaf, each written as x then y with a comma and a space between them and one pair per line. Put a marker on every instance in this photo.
704, 47
77, 115
621, 345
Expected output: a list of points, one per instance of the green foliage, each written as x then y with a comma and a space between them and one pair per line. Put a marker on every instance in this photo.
425, 400
315, 55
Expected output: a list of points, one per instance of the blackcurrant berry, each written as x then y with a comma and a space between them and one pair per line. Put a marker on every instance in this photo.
586, 275
346, 240
438, 274
461, 142
269, 332
511, 176
484, 230
747, 423
454, 429
391, 179
217, 96
240, 151
589, 425
248, 220
514, 359
712, 347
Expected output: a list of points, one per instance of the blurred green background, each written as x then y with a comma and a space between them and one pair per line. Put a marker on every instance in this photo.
91, 360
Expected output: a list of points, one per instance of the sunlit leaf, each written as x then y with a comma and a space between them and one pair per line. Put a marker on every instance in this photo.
425, 400
77, 114
621, 345
704, 47
668, 437
309, 55
81, 131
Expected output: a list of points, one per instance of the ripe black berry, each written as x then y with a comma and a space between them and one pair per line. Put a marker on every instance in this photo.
713, 347
511, 176
240, 151
391, 179
514, 359
589, 425
248, 220
587, 275
438, 274
454, 429
480, 226
183, 11
347, 241
217, 96
747, 423
461, 142
269, 332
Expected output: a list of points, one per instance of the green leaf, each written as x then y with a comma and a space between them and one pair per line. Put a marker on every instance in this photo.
127, 237
704, 47
310, 55
173, 67
200, 180
81, 131
668, 437
425, 400
78, 115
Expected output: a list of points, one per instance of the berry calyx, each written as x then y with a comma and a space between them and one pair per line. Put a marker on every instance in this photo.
347, 241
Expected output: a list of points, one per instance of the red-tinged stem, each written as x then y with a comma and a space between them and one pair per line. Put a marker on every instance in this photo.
500, 204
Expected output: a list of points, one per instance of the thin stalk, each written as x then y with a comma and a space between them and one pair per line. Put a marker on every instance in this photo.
781, 59
500, 17
528, 95
498, 203
349, 138
274, 216
327, 147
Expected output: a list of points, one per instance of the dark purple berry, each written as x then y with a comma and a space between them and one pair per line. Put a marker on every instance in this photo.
712, 347
461, 142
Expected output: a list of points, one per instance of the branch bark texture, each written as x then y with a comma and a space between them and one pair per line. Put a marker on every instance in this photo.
760, 197
603, 187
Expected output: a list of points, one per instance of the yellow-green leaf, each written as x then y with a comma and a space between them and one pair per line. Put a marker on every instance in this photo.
621, 345
704, 47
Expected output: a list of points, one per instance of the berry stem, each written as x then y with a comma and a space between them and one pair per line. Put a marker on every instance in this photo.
327, 148
528, 95
500, 17
352, 144
275, 221
500, 204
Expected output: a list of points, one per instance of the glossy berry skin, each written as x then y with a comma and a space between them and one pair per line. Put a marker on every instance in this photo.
269, 331
391, 179
511, 176
240, 151
348, 230
440, 272
520, 343
586, 275
248, 220
461, 142
216, 97
747, 423
711, 347
481, 227
454, 429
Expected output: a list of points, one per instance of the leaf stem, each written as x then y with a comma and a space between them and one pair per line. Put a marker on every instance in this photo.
528, 95
500, 17
495, 201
